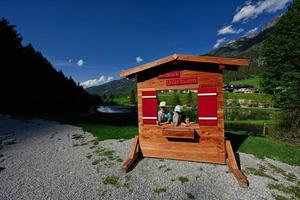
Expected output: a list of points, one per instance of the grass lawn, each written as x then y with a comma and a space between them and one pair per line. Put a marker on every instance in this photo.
255, 82
104, 132
121, 100
263, 98
265, 147
123, 126
252, 122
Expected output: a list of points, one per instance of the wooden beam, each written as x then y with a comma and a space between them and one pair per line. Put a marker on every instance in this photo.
184, 133
187, 58
146, 66
232, 165
214, 60
132, 155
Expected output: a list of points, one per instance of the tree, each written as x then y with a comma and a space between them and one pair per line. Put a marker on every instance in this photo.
281, 59
111, 97
132, 99
104, 97
189, 98
38, 88
175, 99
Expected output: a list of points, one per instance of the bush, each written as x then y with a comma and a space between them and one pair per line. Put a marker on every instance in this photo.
251, 128
250, 114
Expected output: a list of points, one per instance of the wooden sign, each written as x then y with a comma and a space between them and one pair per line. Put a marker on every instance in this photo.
173, 74
182, 81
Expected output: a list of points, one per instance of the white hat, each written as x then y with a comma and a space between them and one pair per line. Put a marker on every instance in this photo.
162, 104
177, 108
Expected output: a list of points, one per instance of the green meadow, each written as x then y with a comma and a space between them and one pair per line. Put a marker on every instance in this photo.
244, 126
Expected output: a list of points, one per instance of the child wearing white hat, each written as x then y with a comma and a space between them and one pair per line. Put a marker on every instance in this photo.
164, 116
177, 115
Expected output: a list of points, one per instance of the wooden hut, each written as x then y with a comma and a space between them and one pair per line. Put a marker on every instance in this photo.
203, 141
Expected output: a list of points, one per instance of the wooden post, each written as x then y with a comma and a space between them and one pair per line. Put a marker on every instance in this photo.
232, 164
264, 130
132, 155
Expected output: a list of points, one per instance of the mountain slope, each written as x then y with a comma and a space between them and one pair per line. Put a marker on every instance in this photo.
245, 47
116, 87
30, 85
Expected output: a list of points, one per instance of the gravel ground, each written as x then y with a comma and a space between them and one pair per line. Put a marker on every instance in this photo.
56, 161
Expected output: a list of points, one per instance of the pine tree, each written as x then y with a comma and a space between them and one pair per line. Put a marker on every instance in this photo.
189, 98
132, 99
175, 99
281, 53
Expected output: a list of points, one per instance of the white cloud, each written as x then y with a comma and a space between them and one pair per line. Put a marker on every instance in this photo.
252, 31
138, 59
251, 10
219, 42
229, 30
94, 82
80, 62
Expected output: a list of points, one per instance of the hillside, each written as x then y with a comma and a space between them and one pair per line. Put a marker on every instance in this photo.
245, 47
116, 87
30, 85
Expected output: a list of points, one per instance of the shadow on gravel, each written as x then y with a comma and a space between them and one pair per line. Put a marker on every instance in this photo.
236, 141
1, 169
136, 162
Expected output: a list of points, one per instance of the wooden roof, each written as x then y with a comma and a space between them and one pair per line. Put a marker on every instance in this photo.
187, 58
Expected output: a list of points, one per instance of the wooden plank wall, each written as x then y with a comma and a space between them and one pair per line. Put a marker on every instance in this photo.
209, 143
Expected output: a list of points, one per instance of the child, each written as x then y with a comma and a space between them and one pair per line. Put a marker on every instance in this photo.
187, 121
177, 115
164, 116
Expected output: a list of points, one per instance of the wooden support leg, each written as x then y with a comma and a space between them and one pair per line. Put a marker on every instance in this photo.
232, 164
135, 148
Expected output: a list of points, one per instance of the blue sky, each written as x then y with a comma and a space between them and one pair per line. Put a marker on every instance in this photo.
92, 41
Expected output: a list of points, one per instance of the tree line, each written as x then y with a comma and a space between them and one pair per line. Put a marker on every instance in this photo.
29, 84
281, 61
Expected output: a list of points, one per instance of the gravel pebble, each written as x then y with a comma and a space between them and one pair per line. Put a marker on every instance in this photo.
49, 163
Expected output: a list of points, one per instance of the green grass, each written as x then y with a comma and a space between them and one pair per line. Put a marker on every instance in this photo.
290, 190
254, 122
122, 100
104, 132
162, 166
268, 147
255, 82
167, 97
183, 179
280, 197
96, 162
263, 98
288, 176
96, 142
111, 180
260, 171
190, 195
159, 190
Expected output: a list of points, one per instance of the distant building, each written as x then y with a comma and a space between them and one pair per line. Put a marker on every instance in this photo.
240, 89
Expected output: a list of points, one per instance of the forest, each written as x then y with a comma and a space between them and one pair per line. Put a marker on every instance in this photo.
29, 83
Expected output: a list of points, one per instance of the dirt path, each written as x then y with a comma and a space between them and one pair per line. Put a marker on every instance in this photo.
54, 161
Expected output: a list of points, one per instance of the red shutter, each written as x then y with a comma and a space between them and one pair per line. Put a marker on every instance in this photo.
149, 107
207, 106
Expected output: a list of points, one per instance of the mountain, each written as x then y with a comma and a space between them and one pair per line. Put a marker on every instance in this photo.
116, 87
245, 47
30, 85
